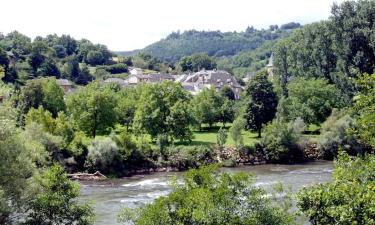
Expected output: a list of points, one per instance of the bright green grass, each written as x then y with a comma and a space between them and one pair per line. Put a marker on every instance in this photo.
209, 137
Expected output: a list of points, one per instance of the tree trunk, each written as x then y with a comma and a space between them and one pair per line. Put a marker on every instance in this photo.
259, 132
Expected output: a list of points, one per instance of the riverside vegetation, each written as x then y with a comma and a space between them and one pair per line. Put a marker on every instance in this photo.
320, 103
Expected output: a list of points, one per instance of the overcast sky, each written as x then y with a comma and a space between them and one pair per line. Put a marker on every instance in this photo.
128, 25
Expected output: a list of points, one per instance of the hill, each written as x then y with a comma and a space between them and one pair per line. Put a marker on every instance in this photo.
214, 43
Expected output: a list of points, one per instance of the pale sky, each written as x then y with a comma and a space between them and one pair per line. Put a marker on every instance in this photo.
128, 25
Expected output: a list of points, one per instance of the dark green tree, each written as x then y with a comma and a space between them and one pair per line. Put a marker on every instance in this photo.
262, 104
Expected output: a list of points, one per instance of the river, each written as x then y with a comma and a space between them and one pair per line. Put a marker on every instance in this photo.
109, 196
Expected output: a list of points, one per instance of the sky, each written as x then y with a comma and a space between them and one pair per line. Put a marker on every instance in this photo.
125, 25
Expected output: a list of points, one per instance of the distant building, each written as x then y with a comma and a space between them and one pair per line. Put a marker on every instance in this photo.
136, 71
270, 66
212, 79
66, 85
151, 78
121, 82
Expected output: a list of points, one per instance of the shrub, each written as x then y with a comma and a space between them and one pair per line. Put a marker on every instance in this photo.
335, 135
208, 197
348, 199
189, 156
102, 152
280, 142
235, 131
221, 137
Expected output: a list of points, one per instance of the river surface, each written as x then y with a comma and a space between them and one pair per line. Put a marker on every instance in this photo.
110, 196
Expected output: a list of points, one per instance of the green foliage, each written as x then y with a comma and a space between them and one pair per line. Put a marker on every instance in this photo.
336, 49
102, 153
335, 135
262, 103
364, 106
221, 137
197, 62
207, 107
54, 201
185, 157
163, 109
53, 97
92, 109
280, 142
348, 199
214, 43
310, 99
15, 168
207, 197
235, 131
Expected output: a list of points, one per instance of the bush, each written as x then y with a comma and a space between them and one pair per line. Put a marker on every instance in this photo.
348, 199
334, 135
116, 68
184, 157
209, 197
235, 131
280, 142
221, 137
102, 152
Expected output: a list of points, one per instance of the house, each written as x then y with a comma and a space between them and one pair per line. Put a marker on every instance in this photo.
150, 78
136, 71
121, 82
66, 85
211, 79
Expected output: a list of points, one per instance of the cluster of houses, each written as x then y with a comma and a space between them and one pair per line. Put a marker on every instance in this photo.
193, 82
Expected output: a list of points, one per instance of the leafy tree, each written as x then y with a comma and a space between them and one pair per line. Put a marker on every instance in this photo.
348, 199
94, 58
235, 131
227, 92
226, 111
54, 201
311, 99
364, 107
206, 107
163, 109
262, 103
15, 167
4, 60
37, 55
197, 62
49, 68
53, 97
84, 76
93, 109
207, 197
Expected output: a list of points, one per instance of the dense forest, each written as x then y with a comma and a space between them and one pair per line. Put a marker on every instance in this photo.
319, 104
214, 43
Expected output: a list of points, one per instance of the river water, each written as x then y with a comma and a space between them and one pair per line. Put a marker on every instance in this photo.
110, 196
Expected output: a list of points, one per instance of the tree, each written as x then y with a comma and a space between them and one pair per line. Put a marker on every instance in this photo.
262, 103
84, 76
364, 108
348, 199
227, 92
49, 68
37, 56
163, 109
94, 58
221, 137
15, 167
54, 201
235, 131
311, 99
93, 109
102, 154
206, 107
53, 97
208, 197
197, 62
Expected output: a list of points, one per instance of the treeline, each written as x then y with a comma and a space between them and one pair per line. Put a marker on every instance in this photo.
80, 61
214, 43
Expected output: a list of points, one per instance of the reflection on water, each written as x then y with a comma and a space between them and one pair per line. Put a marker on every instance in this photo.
109, 196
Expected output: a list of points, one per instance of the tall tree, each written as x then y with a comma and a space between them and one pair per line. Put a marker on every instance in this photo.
93, 109
262, 103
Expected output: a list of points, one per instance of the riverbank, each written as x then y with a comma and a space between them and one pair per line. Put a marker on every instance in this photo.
182, 159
